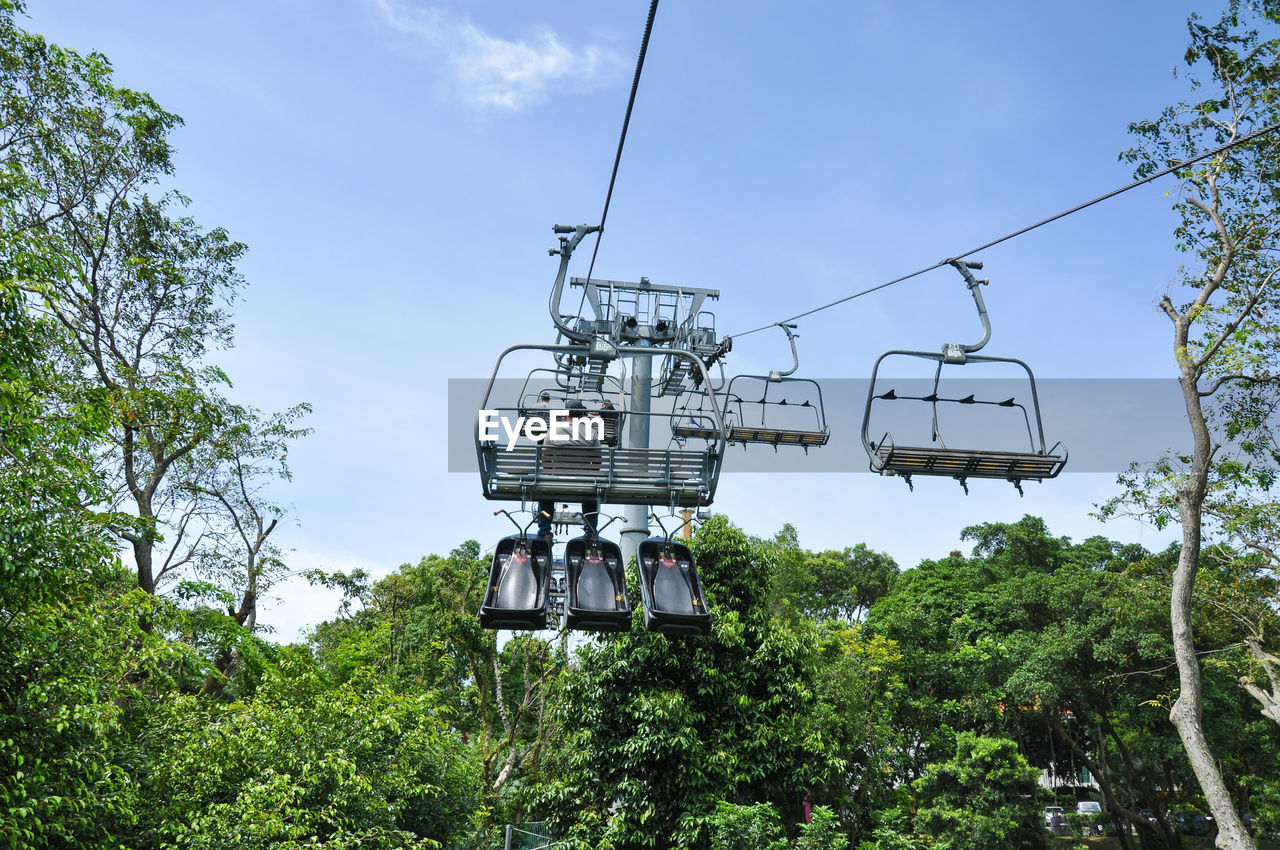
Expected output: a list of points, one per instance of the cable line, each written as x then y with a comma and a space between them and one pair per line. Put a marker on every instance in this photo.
1248, 137
622, 139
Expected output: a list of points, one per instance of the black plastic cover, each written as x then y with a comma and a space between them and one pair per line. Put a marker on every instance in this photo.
669, 587
597, 597
516, 597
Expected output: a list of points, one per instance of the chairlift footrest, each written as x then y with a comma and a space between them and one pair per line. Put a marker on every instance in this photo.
966, 463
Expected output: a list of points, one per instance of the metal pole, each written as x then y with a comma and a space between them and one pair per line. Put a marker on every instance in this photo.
506, 845
637, 528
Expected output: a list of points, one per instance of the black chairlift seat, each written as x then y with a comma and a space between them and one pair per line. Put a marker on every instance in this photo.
597, 592
673, 600
516, 597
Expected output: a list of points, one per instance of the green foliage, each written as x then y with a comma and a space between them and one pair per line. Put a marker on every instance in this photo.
1059, 646
72, 657
46, 473
307, 763
70, 667
757, 826
417, 631
832, 584
659, 731
985, 796
822, 832
894, 832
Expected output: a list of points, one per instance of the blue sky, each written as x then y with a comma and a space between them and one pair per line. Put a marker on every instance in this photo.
395, 167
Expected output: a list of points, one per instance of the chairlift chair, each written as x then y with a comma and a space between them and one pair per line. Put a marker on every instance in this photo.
539, 471
698, 336
1015, 466
779, 421
516, 596
673, 600
597, 584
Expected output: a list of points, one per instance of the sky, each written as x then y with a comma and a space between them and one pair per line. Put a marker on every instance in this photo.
396, 166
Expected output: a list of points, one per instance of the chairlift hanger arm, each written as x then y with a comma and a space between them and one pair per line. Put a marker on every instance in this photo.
795, 357
974, 284
567, 244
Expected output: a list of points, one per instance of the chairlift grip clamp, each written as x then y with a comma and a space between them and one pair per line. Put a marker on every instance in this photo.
568, 243
964, 266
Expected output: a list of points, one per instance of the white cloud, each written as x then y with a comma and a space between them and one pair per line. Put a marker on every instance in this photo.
492, 72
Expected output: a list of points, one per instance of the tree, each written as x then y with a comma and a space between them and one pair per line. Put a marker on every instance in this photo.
986, 795
100, 346
71, 140
658, 731
226, 478
831, 584
56, 111
822, 832
1065, 649
145, 299
734, 826
1224, 335
67, 638
143, 293
70, 649
418, 628
308, 763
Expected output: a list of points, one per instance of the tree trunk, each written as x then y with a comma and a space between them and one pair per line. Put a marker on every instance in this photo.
142, 558
1187, 711
1163, 835
1269, 700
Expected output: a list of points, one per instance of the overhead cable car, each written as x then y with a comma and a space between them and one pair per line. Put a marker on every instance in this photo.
773, 409
938, 459
531, 462
535, 465
519, 577
669, 588
597, 584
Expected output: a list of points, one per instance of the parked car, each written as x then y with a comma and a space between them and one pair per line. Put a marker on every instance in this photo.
1193, 823
1050, 812
1093, 813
